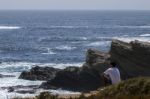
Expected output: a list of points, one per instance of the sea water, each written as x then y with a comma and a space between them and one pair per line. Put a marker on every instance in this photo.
60, 39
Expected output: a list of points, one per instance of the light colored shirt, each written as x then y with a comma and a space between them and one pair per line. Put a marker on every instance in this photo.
114, 74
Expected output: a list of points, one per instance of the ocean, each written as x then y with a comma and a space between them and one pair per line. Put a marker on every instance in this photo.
61, 38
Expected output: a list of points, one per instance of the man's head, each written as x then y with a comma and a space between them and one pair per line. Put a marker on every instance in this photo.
113, 64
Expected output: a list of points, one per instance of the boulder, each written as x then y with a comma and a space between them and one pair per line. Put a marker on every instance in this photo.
39, 73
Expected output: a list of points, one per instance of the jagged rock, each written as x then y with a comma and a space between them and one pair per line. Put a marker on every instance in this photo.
10, 89
97, 60
94, 56
133, 58
39, 73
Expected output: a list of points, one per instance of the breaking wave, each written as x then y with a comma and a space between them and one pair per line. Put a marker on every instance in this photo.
129, 39
145, 35
9, 27
65, 47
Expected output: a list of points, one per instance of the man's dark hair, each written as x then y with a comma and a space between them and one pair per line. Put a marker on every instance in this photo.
113, 64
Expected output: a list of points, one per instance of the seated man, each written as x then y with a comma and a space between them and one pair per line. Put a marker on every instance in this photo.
111, 75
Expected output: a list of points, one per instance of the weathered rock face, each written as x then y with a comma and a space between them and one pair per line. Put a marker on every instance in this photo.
97, 60
133, 58
95, 56
39, 73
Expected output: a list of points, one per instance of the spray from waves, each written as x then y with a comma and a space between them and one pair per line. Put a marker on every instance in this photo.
9, 27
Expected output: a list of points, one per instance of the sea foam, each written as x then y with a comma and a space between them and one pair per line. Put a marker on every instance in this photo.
129, 39
9, 27
144, 35
65, 47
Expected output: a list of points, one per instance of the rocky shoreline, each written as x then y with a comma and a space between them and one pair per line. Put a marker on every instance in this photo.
133, 60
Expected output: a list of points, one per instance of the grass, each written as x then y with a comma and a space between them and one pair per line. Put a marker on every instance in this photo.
136, 88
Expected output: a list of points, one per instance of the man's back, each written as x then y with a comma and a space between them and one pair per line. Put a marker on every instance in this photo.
114, 74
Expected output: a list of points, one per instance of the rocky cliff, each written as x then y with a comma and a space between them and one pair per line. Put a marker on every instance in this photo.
133, 58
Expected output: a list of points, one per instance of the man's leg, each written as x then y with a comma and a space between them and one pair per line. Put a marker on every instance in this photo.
106, 80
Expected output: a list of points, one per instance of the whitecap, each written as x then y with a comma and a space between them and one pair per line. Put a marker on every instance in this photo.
9, 27
49, 52
129, 39
27, 65
65, 47
101, 43
143, 35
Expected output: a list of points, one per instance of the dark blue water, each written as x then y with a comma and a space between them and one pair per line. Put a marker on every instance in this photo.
64, 36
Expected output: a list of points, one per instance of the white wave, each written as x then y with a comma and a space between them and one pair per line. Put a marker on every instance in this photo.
143, 35
65, 47
101, 43
27, 65
129, 39
49, 52
14, 81
9, 27
83, 38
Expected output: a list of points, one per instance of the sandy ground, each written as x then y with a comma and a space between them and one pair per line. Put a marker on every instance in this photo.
66, 96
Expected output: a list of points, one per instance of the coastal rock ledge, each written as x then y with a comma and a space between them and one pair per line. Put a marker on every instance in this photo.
39, 73
133, 60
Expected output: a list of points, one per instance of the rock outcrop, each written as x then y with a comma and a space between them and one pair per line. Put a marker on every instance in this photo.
133, 58
39, 73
